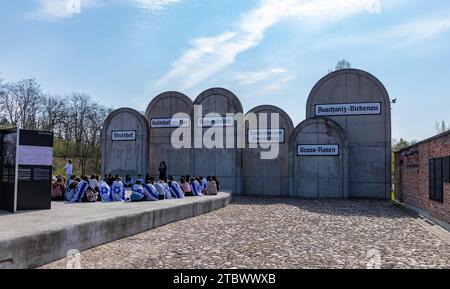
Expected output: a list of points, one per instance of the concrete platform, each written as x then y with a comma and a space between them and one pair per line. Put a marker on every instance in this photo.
32, 239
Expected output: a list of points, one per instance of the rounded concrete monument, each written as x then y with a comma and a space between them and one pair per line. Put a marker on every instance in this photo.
318, 156
125, 143
217, 144
267, 174
166, 113
359, 102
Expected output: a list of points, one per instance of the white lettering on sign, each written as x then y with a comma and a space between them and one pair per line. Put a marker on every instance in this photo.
318, 150
35, 156
219, 121
348, 109
170, 122
266, 136
125, 135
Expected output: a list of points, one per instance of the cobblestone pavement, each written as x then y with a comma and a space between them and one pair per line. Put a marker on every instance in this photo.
280, 233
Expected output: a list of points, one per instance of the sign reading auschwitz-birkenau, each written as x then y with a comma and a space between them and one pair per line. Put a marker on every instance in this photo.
318, 150
348, 109
266, 136
124, 135
170, 122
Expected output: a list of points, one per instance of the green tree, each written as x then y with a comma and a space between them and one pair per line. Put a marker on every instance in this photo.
401, 144
398, 145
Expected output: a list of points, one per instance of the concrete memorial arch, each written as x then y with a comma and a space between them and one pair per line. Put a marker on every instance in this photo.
224, 162
166, 113
360, 104
318, 156
267, 176
125, 139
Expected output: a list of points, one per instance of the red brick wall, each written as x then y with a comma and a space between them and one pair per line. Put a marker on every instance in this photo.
411, 177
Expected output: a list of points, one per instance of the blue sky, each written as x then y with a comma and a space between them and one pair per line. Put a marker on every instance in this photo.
125, 52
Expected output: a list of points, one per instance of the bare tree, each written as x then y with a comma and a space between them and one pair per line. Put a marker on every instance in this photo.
441, 127
76, 120
343, 64
21, 103
52, 113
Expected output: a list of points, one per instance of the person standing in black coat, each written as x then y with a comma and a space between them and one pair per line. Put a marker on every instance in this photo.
163, 171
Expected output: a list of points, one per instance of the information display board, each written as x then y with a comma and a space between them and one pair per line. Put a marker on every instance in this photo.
26, 172
8, 171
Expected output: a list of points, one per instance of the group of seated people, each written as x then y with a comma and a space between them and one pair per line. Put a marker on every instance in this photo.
110, 189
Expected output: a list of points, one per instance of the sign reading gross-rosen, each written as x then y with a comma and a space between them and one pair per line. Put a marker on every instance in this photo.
348, 109
266, 136
124, 135
170, 122
317, 150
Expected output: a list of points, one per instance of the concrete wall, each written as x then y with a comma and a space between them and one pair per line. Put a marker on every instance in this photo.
369, 136
46, 236
319, 176
125, 157
262, 176
225, 163
179, 161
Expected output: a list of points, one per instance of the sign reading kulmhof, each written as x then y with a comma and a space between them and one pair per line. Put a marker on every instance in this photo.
124, 135
348, 109
219, 121
170, 122
318, 150
266, 136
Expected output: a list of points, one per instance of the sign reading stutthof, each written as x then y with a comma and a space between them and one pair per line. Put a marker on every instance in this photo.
124, 135
317, 150
348, 109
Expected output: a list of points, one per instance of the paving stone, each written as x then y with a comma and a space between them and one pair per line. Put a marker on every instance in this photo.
266, 233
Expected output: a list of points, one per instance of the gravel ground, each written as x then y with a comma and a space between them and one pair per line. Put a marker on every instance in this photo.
272, 233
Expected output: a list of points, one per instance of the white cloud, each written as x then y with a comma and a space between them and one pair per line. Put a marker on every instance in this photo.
417, 33
245, 78
419, 30
278, 84
208, 55
154, 5
55, 10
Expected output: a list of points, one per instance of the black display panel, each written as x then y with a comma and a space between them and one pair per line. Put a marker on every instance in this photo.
8, 147
26, 170
34, 170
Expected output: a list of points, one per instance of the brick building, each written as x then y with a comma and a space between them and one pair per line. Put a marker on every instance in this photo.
422, 176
